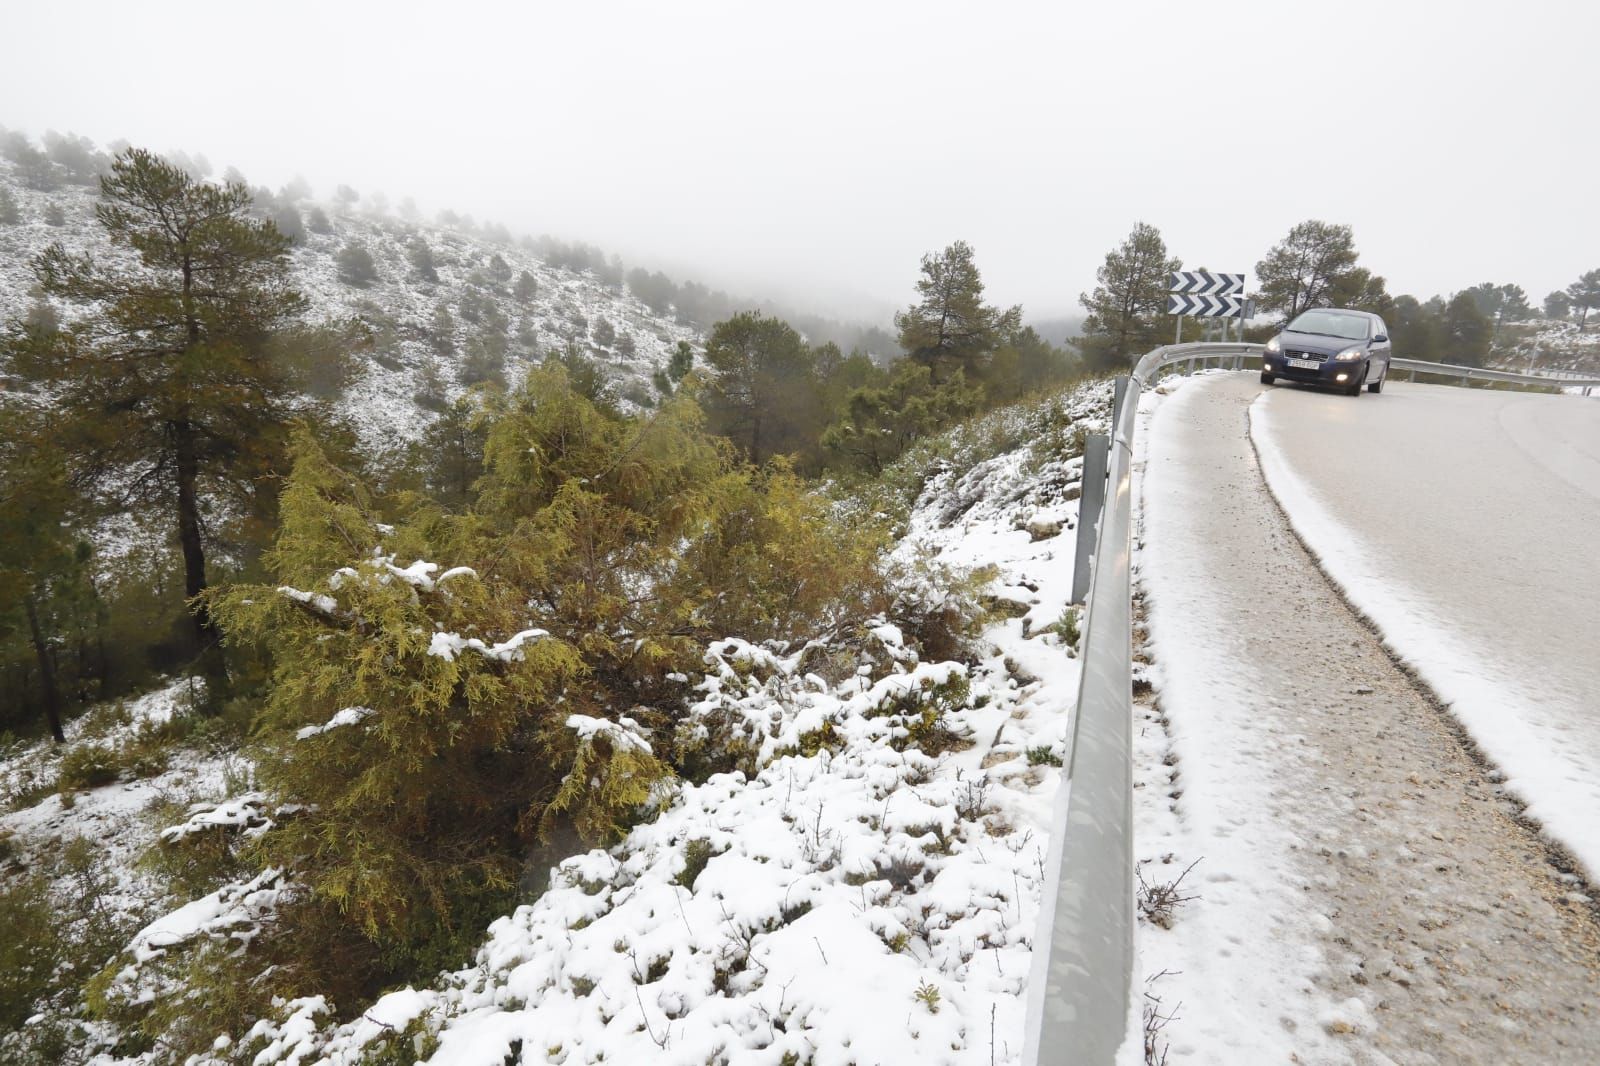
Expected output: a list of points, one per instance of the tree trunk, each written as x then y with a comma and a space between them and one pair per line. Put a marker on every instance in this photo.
47, 670
207, 637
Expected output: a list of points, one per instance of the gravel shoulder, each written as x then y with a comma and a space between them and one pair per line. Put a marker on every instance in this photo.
1367, 893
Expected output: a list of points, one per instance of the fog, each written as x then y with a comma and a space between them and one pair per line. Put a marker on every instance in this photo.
815, 151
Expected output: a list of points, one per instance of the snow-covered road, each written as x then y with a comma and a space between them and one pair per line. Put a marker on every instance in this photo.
1466, 524
1366, 893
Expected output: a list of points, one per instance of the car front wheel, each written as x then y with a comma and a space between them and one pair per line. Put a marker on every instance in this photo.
1266, 378
1377, 386
1355, 390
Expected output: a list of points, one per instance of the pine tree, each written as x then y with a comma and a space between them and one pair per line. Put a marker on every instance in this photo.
1503, 303
1557, 305
880, 422
1585, 296
33, 166
76, 155
167, 390
951, 328
1302, 270
1126, 309
9, 213
450, 453
527, 288
484, 360
38, 556
356, 266
656, 290
442, 332
666, 379
286, 216
1415, 330
681, 363
764, 396
1024, 363
1361, 290
584, 376
421, 257
430, 394
1467, 332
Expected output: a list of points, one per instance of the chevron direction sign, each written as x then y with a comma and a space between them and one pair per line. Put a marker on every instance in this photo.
1204, 283
1204, 306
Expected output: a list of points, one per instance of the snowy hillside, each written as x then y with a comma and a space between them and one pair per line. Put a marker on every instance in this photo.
1545, 344
867, 894
399, 305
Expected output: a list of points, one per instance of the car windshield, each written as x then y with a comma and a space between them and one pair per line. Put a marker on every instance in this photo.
1331, 324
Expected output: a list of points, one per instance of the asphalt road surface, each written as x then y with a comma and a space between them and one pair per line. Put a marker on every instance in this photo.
1368, 893
1467, 524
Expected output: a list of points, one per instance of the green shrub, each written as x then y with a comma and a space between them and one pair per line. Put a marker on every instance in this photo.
27, 962
47, 1042
414, 823
1067, 627
194, 864
88, 766
104, 719
29, 784
1043, 755
696, 854
922, 712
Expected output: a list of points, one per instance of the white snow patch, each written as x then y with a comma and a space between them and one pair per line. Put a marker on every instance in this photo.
348, 716
449, 645
624, 734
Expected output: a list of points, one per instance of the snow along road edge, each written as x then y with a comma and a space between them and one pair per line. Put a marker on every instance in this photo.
1433, 657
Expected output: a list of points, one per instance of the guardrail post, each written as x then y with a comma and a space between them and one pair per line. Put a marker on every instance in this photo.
1091, 502
1119, 390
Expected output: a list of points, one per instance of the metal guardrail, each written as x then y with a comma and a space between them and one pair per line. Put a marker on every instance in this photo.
1478, 373
1080, 989
1082, 977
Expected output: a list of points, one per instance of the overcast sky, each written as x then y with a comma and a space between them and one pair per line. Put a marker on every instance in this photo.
822, 148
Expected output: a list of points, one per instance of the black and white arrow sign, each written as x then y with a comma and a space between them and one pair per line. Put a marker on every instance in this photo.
1204, 306
1204, 283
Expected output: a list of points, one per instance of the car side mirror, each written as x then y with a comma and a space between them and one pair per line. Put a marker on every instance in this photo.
1382, 338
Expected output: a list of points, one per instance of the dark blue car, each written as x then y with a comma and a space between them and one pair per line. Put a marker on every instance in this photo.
1331, 347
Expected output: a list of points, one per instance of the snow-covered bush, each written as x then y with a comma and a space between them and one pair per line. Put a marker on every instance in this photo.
743, 924
435, 724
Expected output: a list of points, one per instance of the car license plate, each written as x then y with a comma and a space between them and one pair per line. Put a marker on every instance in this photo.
1306, 364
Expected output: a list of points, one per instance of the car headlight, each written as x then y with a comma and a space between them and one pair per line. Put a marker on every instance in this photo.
1351, 354
1274, 346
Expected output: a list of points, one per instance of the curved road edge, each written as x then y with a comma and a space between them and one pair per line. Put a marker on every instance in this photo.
1443, 668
